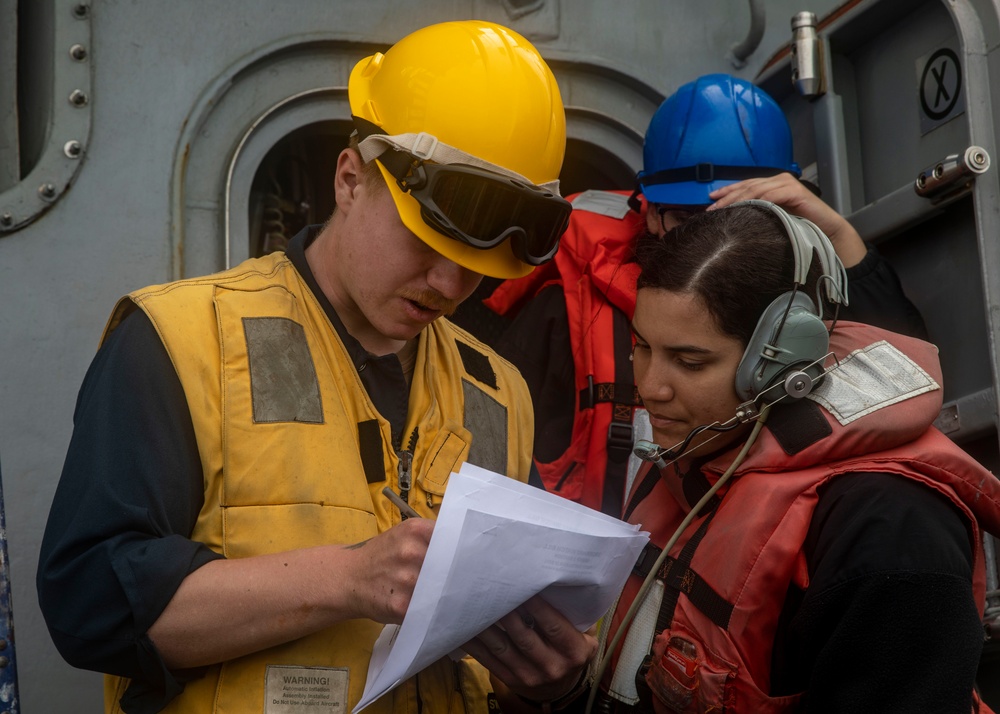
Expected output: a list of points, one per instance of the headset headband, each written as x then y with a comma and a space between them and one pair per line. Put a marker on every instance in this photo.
808, 240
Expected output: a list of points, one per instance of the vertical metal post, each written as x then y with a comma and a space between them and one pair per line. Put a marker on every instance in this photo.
8, 666
10, 142
838, 154
985, 193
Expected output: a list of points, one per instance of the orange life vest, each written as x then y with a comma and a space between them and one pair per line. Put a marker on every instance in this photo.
593, 268
730, 570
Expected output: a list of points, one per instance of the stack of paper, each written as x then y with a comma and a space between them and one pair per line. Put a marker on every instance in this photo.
497, 543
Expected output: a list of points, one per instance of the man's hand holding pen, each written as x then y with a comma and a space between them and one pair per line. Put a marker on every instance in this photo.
390, 564
405, 509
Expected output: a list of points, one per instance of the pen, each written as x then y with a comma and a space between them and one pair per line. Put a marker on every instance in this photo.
404, 508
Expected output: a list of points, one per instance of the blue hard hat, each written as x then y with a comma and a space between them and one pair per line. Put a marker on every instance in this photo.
712, 132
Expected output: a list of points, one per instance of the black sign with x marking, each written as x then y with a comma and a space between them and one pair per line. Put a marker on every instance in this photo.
940, 84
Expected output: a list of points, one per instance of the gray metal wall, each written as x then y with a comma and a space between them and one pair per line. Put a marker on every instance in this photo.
177, 92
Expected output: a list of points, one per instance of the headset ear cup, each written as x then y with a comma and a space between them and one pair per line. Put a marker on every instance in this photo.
776, 349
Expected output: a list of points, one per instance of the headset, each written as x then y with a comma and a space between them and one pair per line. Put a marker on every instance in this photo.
783, 359
791, 341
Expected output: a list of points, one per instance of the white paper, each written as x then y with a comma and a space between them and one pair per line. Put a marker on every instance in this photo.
497, 543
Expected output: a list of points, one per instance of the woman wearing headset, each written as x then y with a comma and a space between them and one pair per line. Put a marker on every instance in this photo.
839, 565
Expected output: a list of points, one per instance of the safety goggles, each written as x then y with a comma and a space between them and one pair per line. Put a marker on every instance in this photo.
483, 208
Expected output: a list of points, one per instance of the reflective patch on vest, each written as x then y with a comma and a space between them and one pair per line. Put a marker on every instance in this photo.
283, 380
638, 643
305, 690
613, 205
486, 420
477, 364
869, 379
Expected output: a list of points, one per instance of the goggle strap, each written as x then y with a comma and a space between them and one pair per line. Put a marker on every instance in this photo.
398, 163
374, 143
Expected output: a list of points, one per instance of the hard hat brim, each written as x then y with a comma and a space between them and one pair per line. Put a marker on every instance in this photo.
685, 193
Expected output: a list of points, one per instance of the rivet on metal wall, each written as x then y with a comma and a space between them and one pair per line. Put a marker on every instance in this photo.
72, 149
78, 98
47, 191
6, 219
80, 11
78, 52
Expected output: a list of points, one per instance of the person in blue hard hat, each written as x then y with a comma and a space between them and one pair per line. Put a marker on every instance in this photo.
708, 134
719, 140
715, 141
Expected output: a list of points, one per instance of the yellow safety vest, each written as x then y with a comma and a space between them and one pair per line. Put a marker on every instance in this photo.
294, 455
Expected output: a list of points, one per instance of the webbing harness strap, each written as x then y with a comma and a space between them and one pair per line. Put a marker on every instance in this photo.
624, 397
678, 577
624, 394
682, 579
621, 435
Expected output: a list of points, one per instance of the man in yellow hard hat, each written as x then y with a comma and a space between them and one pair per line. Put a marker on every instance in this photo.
219, 520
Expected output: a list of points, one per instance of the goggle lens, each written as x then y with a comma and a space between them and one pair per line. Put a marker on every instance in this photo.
482, 209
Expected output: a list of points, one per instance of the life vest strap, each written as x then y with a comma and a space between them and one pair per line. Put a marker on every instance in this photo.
622, 394
678, 577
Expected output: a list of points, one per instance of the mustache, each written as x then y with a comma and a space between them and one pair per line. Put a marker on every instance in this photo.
432, 300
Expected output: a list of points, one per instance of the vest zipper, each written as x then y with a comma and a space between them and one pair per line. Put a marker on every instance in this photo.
406, 467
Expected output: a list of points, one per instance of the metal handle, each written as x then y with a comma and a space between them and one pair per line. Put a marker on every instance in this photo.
807, 69
953, 173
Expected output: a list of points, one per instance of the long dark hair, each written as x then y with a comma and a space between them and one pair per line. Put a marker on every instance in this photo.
736, 259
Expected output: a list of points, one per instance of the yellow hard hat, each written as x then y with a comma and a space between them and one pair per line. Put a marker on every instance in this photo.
479, 89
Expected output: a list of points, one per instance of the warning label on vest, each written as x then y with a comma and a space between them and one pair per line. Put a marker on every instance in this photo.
305, 690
